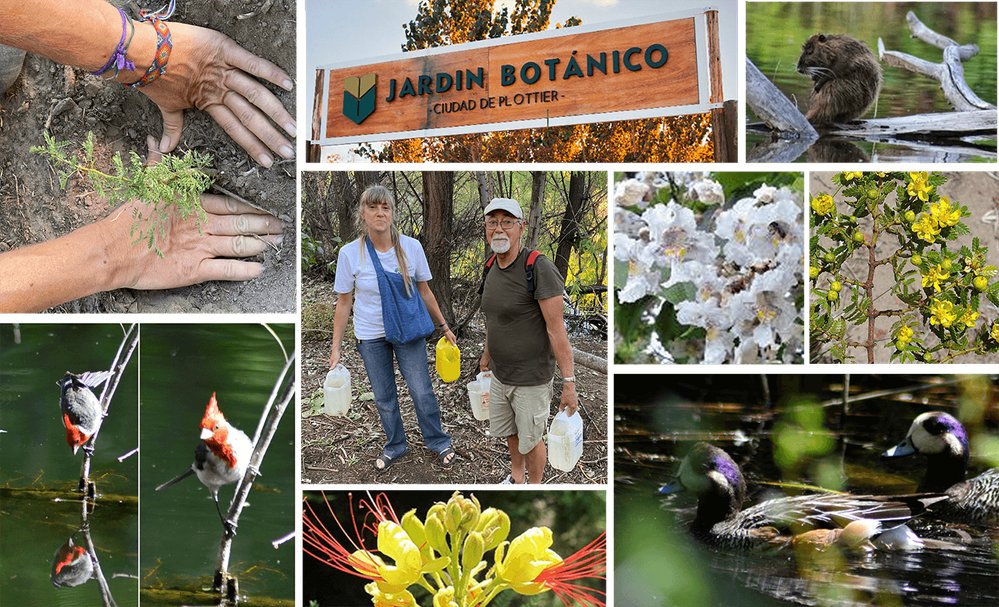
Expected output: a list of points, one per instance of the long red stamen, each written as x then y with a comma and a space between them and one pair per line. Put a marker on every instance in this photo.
590, 562
321, 545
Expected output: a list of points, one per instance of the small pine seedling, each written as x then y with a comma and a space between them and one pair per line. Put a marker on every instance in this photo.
177, 180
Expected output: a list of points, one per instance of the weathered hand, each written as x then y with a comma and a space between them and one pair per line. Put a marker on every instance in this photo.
209, 71
232, 229
570, 400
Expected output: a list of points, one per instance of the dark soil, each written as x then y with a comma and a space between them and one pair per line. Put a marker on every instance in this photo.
34, 209
342, 450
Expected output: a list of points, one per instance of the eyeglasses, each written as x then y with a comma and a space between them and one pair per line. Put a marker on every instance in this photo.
506, 223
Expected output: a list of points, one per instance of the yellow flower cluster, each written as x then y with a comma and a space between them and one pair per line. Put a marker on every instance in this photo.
823, 204
941, 215
850, 176
460, 532
969, 318
933, 276
904, 335
942, 313
994, 331
919, 186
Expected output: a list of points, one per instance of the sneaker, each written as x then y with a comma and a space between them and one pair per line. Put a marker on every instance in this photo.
509, 480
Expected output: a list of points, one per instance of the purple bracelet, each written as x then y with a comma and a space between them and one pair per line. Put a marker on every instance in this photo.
118, 59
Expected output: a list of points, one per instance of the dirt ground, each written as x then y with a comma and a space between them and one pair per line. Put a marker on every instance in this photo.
342, 450
72, 102
979, 191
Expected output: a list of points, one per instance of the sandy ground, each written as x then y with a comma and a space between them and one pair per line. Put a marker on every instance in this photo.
34, 209
979, 191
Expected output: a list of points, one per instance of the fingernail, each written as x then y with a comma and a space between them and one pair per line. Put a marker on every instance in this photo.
164, 143
291, 129
286, 151
278, 241
287, 84
265, 160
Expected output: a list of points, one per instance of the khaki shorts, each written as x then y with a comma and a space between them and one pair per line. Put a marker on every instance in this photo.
520, 410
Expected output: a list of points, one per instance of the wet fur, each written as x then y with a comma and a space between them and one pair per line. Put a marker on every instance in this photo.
846, 76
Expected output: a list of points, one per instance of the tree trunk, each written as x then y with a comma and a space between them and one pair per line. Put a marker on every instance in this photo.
569, 233
437, 237
485, 189
538, 181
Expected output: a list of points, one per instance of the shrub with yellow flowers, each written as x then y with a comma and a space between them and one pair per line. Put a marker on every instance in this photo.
941, 286
447, 554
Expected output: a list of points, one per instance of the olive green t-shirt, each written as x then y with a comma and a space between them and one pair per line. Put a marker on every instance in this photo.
518, 343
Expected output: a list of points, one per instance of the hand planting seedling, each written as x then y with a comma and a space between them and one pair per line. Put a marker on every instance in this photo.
175, 180
939, 288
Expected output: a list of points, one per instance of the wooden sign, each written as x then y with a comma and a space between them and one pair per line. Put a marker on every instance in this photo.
656, 66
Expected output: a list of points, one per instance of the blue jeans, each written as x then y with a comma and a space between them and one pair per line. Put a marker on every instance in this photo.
412, 358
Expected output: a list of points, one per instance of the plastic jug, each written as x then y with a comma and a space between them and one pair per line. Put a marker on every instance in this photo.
336, 391
565, 441
448, 360
478, 395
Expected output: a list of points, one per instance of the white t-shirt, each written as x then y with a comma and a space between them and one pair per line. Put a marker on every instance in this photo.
353, 274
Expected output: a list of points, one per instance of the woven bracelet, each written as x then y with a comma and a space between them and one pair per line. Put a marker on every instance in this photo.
163, 43
118, 59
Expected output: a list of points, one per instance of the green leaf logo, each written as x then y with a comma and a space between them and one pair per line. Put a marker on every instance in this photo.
359, 97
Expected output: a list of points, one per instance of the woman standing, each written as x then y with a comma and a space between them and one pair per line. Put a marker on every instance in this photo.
356, 274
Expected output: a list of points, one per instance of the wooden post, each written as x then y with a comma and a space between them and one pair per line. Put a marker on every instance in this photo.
724, 131
723, 119
313, 152
717, 95
317, 106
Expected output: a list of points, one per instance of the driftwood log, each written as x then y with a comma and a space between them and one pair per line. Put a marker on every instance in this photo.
773, 106
589, 361
944, 125
949, 73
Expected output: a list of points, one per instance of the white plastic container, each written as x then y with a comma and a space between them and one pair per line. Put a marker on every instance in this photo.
336, 391
565, 441
478, 395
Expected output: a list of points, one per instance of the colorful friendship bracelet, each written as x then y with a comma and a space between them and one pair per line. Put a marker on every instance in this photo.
118, 59
163, 42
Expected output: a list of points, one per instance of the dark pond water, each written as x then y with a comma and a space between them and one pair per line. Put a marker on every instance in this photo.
658, 418
775, 32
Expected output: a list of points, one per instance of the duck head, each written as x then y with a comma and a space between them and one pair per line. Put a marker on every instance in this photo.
710, 474
944, 442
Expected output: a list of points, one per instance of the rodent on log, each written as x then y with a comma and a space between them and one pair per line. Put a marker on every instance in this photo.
846, 77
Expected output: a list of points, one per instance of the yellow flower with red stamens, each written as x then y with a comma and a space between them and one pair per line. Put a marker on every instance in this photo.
529, 554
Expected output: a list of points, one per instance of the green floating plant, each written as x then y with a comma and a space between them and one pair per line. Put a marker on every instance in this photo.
175, 180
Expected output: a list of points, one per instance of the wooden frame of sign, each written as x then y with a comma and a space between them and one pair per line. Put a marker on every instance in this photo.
663, 65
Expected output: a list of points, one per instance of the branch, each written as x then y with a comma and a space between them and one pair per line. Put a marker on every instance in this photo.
273, 413
128, 344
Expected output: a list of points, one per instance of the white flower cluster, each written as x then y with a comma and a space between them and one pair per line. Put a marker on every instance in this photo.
745, 272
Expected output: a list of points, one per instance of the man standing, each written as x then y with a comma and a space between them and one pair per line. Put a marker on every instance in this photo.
525, 337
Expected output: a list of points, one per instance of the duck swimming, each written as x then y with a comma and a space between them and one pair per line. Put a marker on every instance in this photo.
813, 520
943, 440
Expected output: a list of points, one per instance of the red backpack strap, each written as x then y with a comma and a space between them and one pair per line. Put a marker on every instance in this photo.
529, 270
485, 270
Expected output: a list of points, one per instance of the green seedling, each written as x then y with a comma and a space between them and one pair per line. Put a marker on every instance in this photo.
175, 181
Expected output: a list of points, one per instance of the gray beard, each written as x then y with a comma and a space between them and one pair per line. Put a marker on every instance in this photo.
500, 245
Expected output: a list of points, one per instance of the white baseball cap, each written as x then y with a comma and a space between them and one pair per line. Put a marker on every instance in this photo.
509, 205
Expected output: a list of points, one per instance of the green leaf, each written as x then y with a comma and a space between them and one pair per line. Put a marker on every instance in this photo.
684, 291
